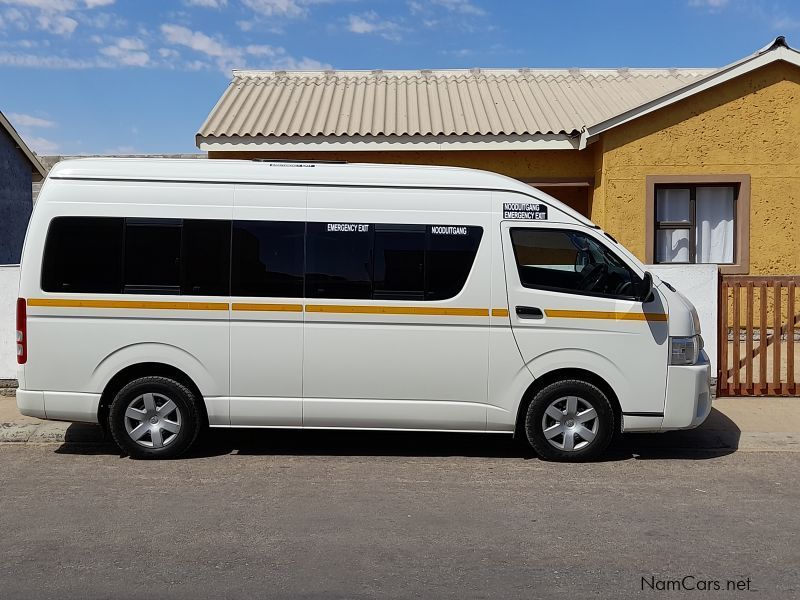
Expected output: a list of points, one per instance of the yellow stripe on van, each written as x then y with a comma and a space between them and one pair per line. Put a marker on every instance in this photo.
130, 304
499, 312
397, 310
598, 314
268, 307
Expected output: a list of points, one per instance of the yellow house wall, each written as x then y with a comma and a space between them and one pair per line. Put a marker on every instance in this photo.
750, 125
531, 165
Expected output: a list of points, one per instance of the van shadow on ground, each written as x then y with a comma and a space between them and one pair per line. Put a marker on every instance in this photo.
717, 437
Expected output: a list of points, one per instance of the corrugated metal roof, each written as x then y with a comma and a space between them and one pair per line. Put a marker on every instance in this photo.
457, 102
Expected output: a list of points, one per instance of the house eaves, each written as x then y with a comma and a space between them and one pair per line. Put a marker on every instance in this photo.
776, 51
38, 172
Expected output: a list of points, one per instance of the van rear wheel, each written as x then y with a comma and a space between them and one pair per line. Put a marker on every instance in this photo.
570, 420
154, 417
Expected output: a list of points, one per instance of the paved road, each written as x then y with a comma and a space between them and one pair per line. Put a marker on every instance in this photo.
320, 515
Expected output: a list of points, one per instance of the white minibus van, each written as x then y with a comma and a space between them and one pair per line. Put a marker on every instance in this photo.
158, 297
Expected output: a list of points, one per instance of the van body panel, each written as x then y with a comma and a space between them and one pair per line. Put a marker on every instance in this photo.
462, 363
379, 367
266, 333
79, 348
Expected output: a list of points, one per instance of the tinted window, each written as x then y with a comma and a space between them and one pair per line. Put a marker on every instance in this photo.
399, 271
152, 256
450, 252
339, 260
205, 257
570, 261
267, 258
83, 255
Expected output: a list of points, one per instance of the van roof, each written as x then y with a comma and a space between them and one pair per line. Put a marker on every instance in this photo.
295, 172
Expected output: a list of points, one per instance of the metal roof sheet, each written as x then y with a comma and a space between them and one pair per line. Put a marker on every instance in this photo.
455, 102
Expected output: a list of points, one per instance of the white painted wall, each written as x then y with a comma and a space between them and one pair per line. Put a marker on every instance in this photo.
699, 283
9, 288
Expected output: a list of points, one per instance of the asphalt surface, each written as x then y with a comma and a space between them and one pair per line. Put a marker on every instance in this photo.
360, 515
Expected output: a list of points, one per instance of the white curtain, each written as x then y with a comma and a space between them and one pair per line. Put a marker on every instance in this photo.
672, 246
714, 224
672, 204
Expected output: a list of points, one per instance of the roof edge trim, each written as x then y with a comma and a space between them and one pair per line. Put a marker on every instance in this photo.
387, 143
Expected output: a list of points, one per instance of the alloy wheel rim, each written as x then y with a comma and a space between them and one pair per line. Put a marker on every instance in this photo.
570, 423
152, 420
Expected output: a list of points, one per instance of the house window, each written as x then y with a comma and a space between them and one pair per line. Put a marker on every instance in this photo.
695, 224
701, 219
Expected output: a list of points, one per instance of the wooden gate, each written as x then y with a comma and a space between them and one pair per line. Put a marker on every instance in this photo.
759, 336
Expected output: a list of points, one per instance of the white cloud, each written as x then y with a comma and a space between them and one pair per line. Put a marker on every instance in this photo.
49, 5
127, 51
9, 59
41, 145
58, 24
23, 120
121, 150
200, 42
280, 8
370, 22
785, 24
465, 7
96, 3
256, 50
712, 4
207, 3
168, 53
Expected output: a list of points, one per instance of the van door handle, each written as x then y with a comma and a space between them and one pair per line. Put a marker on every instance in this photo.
529, 312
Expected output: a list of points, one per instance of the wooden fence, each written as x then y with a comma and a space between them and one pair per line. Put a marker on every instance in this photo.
759, 336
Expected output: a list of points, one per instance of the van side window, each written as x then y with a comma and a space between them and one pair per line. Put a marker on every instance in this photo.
83, 255
152, 256
339, 260
399, 272
571, 262
267, 259
205, 257
449, 254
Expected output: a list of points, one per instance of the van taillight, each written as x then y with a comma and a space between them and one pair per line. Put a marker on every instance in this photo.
22, 331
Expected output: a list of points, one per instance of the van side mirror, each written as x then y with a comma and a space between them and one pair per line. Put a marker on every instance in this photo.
646, 288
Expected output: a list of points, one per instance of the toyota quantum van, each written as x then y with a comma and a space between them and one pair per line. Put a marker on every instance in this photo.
161, 296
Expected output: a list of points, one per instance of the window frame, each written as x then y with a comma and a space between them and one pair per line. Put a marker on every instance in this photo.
573, 292
741, 212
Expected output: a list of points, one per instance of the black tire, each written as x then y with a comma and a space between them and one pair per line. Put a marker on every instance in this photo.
600, 429
184, 416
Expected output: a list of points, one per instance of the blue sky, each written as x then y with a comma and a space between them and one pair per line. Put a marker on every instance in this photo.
140, 76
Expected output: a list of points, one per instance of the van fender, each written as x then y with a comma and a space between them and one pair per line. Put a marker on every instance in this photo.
152, 352
578, 358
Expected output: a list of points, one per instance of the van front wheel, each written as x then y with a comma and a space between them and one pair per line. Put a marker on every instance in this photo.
154, 417
569, 420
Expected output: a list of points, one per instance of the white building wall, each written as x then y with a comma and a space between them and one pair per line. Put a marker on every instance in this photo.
9, 288
700, 284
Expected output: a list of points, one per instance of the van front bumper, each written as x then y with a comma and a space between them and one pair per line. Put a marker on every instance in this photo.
59, 406
688, 400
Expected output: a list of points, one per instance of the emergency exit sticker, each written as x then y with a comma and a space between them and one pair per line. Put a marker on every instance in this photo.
525, 211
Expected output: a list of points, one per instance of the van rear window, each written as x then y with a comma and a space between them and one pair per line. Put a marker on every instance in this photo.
83, 255
105, 255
